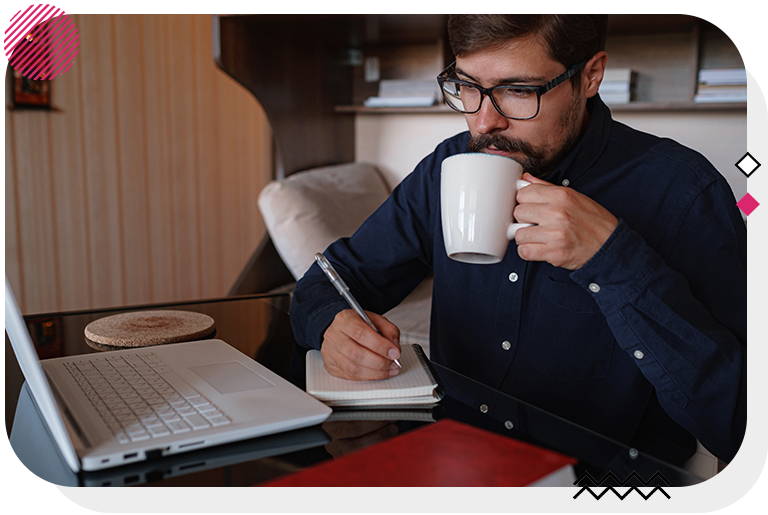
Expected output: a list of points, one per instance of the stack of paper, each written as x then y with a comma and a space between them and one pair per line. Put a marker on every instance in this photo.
618, 86
405, 93
722, 85
399, 102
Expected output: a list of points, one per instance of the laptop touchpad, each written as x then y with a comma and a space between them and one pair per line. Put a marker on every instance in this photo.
231, 377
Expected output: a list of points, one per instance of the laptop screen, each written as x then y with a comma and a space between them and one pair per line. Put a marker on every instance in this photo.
36, 379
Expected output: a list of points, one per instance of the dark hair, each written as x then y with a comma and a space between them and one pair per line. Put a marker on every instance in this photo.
570, 38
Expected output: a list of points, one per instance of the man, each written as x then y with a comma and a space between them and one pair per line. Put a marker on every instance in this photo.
623, 308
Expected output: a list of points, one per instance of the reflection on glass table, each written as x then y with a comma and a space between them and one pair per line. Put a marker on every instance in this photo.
260, 327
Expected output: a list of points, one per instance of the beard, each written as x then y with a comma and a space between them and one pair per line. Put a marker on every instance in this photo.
538, 161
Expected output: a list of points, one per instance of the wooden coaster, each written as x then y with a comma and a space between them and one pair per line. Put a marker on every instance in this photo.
148, 328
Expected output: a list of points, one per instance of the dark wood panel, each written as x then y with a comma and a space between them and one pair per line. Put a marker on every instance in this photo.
625, 24
296, 67
299, 68
717, 49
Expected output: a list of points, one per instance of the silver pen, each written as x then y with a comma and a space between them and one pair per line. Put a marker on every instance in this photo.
343, 289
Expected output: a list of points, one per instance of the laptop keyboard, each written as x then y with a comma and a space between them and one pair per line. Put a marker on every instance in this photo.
140, 398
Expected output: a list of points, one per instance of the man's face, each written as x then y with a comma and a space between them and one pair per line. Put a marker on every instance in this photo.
539, 144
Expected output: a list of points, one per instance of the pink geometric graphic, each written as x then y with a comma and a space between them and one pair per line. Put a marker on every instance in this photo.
747, 204
41, 42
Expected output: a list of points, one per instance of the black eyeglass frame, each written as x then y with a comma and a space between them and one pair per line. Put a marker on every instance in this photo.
486, 92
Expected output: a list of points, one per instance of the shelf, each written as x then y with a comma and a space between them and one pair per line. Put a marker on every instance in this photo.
676, 106
666, 51
440, 109
623, 108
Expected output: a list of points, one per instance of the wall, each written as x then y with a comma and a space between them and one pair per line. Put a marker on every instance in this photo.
397, 142
141, 186
721, 136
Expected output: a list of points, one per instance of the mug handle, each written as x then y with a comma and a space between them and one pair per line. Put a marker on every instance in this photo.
513, 227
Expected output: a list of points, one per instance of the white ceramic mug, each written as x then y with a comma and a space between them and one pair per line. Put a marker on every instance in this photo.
477, 198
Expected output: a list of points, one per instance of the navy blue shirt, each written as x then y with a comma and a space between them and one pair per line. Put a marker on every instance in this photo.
648, 337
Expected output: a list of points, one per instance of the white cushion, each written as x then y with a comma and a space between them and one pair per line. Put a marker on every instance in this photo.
309, 210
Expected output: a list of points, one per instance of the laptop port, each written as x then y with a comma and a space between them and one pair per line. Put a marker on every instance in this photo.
156, 453
130, 455
191, 444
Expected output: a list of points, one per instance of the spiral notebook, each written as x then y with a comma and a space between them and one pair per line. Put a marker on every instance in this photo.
415, 384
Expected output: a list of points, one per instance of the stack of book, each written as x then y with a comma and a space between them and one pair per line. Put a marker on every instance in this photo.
405, 93
618, 86
721, 85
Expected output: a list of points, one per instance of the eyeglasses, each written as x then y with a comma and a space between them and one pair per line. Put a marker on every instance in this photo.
511, 101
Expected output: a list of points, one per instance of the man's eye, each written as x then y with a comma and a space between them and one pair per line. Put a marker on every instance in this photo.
518, 92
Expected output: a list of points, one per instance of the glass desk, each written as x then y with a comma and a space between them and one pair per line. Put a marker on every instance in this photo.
259, 326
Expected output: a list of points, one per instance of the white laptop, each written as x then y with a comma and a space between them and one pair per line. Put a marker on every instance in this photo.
31, 441
112, 408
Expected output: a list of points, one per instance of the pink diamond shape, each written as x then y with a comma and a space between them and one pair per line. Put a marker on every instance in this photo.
747, 204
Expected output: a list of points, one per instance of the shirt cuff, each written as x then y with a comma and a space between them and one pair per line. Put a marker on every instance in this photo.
320, 320
620, 269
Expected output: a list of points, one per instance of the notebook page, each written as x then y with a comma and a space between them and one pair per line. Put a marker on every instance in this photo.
413, 380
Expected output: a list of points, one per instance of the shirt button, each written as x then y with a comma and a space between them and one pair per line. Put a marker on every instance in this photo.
508, 424
506, 345
594, 287
639, 354
513, 277
565, 182
483, 408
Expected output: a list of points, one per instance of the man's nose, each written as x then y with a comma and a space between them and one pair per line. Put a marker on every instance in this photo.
488, 119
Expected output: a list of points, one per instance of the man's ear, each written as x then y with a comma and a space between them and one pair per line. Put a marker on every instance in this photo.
592, 74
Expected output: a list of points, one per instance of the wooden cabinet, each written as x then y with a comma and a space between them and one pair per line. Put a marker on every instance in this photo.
666, 50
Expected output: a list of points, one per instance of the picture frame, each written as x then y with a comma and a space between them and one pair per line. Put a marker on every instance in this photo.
30, 93
27, 93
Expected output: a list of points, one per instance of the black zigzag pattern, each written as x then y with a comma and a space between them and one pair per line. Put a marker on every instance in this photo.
610, 475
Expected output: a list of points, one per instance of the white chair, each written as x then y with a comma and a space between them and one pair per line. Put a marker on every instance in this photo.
309, 210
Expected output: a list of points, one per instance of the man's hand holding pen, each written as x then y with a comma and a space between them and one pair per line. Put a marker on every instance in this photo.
352, 350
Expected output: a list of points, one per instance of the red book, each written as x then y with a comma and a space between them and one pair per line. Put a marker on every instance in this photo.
446, 453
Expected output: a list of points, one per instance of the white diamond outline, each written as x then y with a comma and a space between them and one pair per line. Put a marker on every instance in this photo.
755, 163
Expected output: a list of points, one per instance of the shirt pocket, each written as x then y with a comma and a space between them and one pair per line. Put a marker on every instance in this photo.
571, 338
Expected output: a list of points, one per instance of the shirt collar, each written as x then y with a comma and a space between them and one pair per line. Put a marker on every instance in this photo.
589, 148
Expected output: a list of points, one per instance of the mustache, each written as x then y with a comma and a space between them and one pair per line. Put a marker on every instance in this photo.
483, 141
